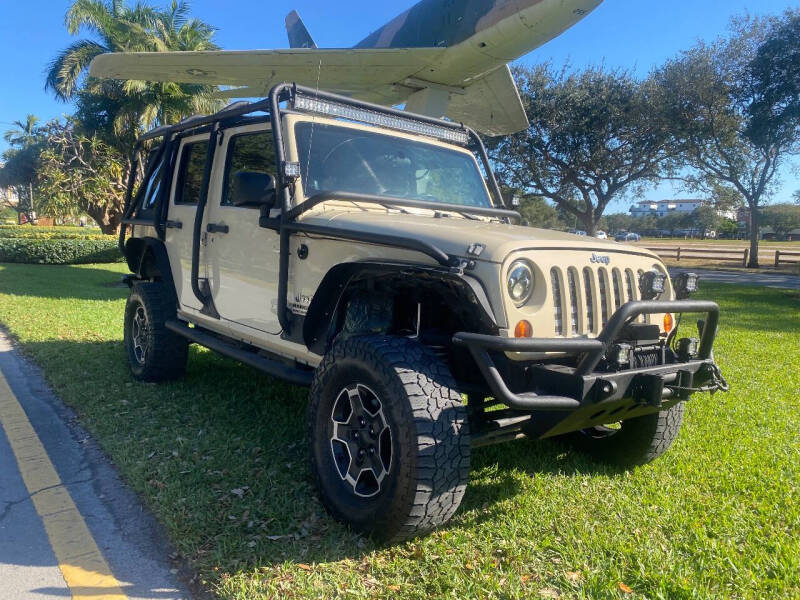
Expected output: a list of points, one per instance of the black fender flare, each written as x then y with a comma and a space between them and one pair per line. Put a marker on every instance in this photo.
326, 302
137, 251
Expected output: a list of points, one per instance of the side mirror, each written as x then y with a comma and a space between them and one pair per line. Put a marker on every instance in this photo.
253, 189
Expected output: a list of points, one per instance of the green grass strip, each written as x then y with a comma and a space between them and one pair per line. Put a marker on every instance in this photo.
221, 459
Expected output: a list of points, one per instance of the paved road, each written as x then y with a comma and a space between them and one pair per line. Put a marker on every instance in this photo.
773, 280
68, 526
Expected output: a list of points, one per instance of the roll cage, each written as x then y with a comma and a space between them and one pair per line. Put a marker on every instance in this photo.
297, 99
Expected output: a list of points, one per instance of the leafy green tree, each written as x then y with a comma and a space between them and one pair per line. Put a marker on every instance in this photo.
727, 228
725, 198
783, 218
774, 80
671, 222
705, 218
536, 212
594, 135
796, 197
120, 110
20, 162
82, 174
710, 95
617, 222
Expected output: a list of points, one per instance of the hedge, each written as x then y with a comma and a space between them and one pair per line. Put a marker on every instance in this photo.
59, 251
32, 234
54, 231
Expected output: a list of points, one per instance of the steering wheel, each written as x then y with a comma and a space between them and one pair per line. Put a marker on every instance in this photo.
364, 164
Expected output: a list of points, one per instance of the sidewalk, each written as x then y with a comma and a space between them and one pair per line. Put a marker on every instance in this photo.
68, 526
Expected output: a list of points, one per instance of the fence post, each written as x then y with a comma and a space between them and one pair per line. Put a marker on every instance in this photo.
744, 257
678, 254
777, 257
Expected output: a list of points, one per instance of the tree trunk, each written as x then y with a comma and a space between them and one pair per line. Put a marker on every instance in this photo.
752, 262
108, 222
589, 224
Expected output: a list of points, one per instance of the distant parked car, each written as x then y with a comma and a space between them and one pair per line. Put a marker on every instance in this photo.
577, 232
601, 235
627, 236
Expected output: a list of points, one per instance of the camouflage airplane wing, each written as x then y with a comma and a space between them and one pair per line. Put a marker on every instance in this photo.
258, 70
385, 75
439, 58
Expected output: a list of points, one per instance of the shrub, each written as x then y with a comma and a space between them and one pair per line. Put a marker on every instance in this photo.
33, 234
54, 230
59, 251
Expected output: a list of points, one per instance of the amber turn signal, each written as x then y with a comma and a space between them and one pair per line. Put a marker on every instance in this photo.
667, 322
523, 330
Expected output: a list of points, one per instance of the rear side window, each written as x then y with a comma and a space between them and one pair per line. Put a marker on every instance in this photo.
252, 152
190, 173
149, 191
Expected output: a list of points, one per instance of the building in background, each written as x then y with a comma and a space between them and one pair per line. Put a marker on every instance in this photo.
662, 208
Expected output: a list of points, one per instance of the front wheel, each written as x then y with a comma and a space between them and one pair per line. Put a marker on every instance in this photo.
632, 441
389, 437
154, 352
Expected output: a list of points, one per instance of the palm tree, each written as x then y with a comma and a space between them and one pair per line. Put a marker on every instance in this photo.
117, 27
24, 132
22, 138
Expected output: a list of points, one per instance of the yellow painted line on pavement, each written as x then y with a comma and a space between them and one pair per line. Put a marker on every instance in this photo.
85, 571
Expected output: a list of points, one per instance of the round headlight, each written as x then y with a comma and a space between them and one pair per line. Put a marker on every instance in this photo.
520, 281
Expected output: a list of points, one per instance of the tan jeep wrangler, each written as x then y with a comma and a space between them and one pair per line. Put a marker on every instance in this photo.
365, 252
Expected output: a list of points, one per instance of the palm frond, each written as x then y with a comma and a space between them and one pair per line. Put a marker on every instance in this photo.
64, 72
94, 15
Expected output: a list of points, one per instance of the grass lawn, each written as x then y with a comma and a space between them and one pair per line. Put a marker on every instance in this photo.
220, 458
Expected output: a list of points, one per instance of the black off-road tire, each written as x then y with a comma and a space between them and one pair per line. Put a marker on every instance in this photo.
430, 443
162, 355
636, 442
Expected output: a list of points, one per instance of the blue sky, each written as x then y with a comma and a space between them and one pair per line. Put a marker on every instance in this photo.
634, 34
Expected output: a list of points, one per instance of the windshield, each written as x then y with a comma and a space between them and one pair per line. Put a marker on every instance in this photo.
352, 160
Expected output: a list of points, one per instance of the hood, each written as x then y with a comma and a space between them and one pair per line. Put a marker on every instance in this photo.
454, 234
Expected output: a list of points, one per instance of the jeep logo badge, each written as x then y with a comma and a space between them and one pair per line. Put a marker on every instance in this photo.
600, 258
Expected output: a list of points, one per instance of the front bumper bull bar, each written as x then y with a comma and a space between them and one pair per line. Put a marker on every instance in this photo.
581, 388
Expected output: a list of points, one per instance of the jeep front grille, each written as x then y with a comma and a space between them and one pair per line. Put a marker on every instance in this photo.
608, 289
617, 290
573, 299
557, 312
588, 276
604, 299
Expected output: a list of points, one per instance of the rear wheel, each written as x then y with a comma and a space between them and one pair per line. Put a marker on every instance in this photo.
389, 437
154, 352
633, 441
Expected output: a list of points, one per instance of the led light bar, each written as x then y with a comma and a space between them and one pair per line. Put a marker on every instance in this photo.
362, 115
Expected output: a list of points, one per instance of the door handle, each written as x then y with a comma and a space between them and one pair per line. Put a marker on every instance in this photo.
217, 228
174, 225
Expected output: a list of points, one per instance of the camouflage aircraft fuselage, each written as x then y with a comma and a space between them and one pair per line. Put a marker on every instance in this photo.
480, 35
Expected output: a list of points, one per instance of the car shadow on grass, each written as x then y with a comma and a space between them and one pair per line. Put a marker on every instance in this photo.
500, 471
221, 456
